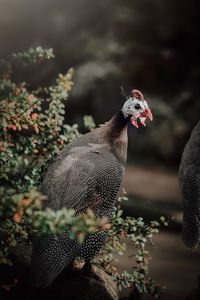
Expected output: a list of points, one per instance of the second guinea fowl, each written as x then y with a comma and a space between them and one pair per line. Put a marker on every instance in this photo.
87, 173
189, 179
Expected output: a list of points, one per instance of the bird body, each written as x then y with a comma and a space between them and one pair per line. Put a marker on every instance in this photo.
189, 179
87, 173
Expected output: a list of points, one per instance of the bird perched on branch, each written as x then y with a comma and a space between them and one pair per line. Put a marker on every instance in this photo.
87, 173
189, 179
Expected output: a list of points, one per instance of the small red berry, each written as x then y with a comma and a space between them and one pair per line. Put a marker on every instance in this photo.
34, 116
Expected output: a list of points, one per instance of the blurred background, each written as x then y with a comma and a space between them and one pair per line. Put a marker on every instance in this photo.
150, 45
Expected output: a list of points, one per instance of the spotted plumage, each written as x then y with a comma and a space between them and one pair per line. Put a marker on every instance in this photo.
189, 178
87, 173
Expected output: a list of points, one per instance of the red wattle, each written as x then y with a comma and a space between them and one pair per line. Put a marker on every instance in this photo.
134, 123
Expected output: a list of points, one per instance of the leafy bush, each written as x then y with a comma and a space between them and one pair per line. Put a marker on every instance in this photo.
32, 131
140, 234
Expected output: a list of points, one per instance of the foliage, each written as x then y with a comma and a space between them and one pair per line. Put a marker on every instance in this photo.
34, 55
140, 234
89, 122
32, 131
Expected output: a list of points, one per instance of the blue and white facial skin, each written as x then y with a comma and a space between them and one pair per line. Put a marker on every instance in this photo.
137, 108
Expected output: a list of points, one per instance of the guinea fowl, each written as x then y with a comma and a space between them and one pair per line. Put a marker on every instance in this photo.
189, 179
87, 173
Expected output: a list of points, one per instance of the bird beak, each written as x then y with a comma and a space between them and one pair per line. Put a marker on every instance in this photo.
146, 114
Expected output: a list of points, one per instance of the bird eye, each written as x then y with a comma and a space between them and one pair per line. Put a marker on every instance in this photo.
137, 106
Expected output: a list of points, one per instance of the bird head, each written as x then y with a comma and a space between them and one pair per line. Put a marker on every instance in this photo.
137, 108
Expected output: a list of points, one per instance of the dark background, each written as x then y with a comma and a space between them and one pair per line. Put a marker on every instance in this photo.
151, 45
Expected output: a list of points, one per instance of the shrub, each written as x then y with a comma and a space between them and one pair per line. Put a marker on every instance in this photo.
32, 131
